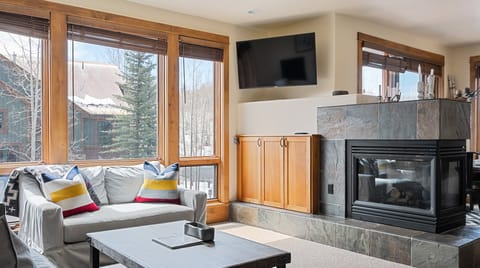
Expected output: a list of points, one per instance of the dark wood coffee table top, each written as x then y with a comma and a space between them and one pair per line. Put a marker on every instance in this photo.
134, 247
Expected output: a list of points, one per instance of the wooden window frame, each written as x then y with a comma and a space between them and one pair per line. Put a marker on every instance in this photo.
220, 154
55, 113
399, 50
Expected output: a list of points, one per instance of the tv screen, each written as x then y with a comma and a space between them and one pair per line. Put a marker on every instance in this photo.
276, 62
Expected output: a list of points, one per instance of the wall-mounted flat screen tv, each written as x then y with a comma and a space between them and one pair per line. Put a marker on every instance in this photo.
277, 62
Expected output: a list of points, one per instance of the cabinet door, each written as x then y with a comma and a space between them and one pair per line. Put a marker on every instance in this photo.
273, 166
249, 170
298, 194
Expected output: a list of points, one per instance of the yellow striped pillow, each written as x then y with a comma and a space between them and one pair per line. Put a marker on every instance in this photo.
159, 186
69, 192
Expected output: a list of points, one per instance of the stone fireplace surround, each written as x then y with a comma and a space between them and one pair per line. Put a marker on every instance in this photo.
439, 119
425, 119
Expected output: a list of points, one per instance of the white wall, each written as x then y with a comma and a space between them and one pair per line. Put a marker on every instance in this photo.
287, 116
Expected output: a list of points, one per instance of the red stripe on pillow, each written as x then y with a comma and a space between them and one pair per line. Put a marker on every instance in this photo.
88, 207
143, 199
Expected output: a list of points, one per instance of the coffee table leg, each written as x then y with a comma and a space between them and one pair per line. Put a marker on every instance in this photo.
94, 257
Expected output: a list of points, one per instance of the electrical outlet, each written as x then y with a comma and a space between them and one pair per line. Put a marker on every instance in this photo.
330, 188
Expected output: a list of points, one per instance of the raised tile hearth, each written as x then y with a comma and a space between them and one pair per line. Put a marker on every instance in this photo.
454, 248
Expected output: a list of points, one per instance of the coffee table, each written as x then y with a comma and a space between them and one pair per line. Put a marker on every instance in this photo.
133, 247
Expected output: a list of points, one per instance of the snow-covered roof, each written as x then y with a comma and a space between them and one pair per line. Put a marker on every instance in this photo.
96, 106
96, 87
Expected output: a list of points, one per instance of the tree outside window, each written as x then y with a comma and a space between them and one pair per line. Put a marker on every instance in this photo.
113, 94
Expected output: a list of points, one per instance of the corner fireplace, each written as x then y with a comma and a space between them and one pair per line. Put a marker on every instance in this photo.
416, 184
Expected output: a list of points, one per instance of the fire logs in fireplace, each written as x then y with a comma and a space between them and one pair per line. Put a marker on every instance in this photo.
416, 184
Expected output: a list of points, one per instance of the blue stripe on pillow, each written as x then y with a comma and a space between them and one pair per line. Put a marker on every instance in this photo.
72, 173
150, 167
172, 168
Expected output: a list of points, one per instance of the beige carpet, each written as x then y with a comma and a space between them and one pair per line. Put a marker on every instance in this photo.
306, 253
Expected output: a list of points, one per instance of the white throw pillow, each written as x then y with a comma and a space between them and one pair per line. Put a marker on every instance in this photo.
123, 183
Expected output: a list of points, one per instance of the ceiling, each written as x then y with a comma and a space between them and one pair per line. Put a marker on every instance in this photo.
452, 22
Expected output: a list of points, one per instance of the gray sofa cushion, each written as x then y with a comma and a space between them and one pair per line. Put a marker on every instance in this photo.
117, 216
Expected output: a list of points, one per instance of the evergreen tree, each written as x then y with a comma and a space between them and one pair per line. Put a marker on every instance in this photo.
135, 131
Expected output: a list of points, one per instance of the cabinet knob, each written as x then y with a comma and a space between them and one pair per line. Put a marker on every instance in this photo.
259, 142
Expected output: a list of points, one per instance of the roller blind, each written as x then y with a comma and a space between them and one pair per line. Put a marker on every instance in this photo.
24, 25
200, 52
117, 39
398, 63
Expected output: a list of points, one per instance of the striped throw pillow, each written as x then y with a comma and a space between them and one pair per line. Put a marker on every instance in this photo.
159, 186
69, 192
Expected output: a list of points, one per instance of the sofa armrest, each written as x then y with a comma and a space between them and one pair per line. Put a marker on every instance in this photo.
196, 200
41, 221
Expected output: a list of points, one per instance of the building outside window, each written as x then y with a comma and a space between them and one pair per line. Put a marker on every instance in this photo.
22, 42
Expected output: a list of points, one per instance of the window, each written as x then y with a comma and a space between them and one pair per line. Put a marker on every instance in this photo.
475, 118
22, 42
113, 94
198, 120
201, 178
108, 100
104, 132
386, 66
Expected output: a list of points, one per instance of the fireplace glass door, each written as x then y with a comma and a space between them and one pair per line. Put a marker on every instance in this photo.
450, 193
394, 181
416, 184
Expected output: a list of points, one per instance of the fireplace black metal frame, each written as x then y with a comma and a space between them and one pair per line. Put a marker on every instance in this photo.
436, 219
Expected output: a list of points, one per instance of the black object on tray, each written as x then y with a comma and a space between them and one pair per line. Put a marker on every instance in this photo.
339, 92
199, 230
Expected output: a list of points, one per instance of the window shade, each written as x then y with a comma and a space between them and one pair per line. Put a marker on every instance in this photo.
117, 39
200, 52
398, 64
24, 25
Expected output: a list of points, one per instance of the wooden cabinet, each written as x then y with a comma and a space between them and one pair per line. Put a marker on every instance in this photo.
279, 171
272, 166
249, 157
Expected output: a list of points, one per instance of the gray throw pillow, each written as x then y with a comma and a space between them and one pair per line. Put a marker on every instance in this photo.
14, 253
